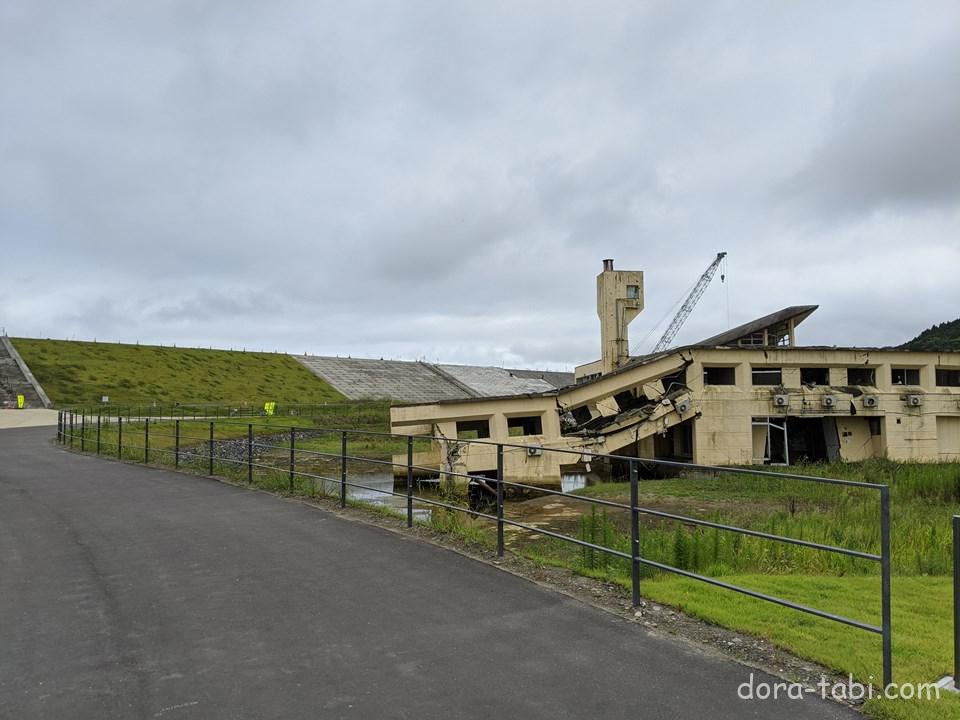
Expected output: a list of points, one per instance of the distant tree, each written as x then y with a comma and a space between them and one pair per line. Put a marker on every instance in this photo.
942, 336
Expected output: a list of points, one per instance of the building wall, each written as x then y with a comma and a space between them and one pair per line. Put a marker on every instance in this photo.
724, 431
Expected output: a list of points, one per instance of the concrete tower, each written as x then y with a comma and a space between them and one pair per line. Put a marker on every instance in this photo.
619, 300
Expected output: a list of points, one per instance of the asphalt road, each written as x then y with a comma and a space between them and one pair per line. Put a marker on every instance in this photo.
131, 592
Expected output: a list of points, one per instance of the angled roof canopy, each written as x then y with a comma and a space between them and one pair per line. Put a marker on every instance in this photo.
774, 325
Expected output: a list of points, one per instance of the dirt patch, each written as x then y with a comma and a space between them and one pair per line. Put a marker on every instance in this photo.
563, 513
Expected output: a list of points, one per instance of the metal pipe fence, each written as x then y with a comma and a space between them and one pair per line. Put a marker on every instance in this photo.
956, 602
243, 435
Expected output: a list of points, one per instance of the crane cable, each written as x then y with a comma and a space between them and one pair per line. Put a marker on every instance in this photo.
643, 341
723, 277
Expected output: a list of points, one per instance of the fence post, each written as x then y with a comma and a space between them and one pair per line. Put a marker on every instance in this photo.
956, 602
83, 431
146, 440
250, 453
410, 481
885, 584
343, 468
98, 434
499, 500
59, 422
211, 447
293, 454
119, 437
176, 443
635, 532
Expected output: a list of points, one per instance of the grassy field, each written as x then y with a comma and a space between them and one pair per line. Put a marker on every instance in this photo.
923, 649
80, 373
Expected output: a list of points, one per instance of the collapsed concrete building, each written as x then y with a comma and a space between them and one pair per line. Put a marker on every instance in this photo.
750, 395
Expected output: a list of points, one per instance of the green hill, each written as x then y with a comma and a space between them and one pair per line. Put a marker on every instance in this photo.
79, 373
945, 336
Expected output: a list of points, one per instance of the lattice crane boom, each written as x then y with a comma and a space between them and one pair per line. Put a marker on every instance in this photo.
689, 304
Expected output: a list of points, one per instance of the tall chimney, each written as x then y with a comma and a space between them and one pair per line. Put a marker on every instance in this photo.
619, 300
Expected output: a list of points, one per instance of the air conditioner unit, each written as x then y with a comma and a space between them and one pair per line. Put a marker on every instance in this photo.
683, 406
534, 451
828, 401
781, 400
871, 401
914, 400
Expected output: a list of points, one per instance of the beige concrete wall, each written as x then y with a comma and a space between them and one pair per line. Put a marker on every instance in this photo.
616, 310
948, 438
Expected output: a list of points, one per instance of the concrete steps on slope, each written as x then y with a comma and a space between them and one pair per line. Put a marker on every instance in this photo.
16, 379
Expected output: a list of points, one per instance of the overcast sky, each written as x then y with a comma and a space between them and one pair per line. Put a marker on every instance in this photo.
441, 180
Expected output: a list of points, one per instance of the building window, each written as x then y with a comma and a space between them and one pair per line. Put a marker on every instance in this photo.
815, 376
473, 429
876, 426
905, 376
633, 292
527, 425
581, 415
767, 376
861, 376
675, 381
758, 338
720, 376
948, 377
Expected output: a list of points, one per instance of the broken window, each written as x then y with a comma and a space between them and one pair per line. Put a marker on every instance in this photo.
675, 380
720, 376
767, 376
633, 292
948, 377
473, 429
905, 376
581, 415
861, 376
526, 425
815, 376
628, 399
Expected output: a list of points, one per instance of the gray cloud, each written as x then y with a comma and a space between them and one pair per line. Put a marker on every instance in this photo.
441, 180
894, 141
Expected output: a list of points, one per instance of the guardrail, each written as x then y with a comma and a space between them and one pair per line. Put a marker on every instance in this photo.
956, 603
78, 432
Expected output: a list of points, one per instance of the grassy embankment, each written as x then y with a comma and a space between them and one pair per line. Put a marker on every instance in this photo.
80, 373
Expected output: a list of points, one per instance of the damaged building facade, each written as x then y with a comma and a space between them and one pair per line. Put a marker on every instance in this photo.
750, 395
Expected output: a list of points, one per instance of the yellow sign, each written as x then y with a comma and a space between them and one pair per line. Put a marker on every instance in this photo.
20, 402
269, 407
